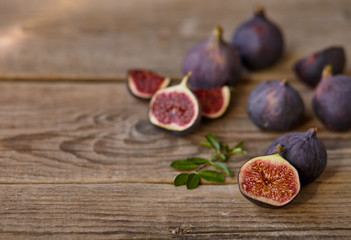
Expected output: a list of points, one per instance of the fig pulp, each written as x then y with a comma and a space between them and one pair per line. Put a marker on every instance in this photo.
304, 151
275, 106
332, 100
175, 109
144, 83
214, 102
259, 41
269, 181
213, 63
309, 69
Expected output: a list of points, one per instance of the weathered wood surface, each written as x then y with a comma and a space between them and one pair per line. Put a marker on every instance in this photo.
79, 160
110, 211
101, 39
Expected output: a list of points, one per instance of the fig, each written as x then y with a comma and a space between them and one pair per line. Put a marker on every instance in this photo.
275, 106
259, 41
304, 151
214, 102
144, 83
269, 181
175, 108
309, 69
213, 63
331, 100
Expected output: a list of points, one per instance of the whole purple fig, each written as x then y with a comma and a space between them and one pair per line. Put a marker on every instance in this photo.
332, 100
213, 63
259, 41
304, 151
275, 106
309, 69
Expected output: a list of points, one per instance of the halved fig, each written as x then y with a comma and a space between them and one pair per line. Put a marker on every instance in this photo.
214, 102
175, 108
269, 181
144, 83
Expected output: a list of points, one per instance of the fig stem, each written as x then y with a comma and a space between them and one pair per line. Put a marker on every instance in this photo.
311, 132
185, 79
217, 34
260, 11
284, 81
279, 148
327, 71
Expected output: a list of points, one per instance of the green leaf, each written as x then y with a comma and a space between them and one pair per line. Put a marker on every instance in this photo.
213, 141
206, 144
197, 160
222, 156
181, 179
193, 181
223, 167
239, 145
183, 164
212, 176
226, 148
238, 150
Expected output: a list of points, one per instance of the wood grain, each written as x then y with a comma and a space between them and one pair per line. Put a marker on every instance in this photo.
71, 132
162, 211
102, 39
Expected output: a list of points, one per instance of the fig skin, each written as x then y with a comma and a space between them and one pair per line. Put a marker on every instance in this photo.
214, 102
275, 106
309, 69
213, 63
259, 41
268, 172
304, 151
149, 82
331, 101
171, 106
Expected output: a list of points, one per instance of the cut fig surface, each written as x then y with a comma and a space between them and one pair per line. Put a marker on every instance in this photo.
214, 102
175, 109
269, 181
144, 83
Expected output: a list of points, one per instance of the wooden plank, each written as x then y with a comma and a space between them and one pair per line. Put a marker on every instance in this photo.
101, 39
110, 211
71, 132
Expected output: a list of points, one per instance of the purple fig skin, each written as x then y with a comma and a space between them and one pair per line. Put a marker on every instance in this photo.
275, 106
213, 63
259, 41
309, 69
331, 101
304, 151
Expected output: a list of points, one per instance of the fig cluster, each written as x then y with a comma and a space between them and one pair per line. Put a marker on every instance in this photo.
211, 67
292, 160
177, 108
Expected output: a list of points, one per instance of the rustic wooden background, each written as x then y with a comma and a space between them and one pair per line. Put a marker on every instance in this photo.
78, 158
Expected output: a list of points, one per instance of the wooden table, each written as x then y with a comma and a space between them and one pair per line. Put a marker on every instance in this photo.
78, 158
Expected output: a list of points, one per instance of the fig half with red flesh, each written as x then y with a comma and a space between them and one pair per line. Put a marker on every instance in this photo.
269, 181
144, 83
175, 109
214, 102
